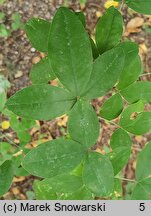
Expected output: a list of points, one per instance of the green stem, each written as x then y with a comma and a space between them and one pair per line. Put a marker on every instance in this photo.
125, 179
110, 122
145, 74
10, 141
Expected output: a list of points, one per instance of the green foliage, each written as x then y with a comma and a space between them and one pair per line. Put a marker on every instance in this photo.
34, 101
4, 32
2, 2
142, 189
16, 24
4, 85
81, 17
64, 183
47, 190
143, 168
82, 194
83, 124
121, 150
105, 73
6, 176
95, 51
2, 100
112, 107
2, 16
87, 70
65, 57
138, 91
37, 31
98, 174
43, 191
109, 30
41, 72
6, 151
132, 65
61, 155
140, 6
133, 119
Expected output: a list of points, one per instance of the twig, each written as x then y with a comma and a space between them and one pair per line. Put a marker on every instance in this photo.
136, 149
121, 6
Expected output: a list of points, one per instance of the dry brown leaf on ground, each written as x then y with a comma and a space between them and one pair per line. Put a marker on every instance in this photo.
139, 139
143, 48
19, 179
98, 14
18, 74
134, 25
15, 190
62, 121
36, 59
100, 150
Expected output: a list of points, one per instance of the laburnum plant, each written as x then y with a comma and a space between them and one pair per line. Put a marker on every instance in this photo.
87, 69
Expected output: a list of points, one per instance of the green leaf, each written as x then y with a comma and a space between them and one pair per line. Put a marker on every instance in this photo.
134, 120
94, 49
117, 193
109, 30
41, 72
98, 174
70, 51
19, 124
83, 1
30, 195
43, 192
64, 183
6, 152
143, 165
40, 102
138, 91
53, 158
83, 124
120, 138
140, 6
106, 71
81, 194
2, 100
6, 177
139, 193
121, 146
16, 162
20, 171
142, 190
37, 31
24, 136
16, 21
129, 189
119, 158
81, 17
132, 66
4, 32
4, 84
112, 107
2, 16
78, 170
2, 2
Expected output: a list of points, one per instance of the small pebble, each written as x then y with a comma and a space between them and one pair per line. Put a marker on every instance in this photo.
33, 49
